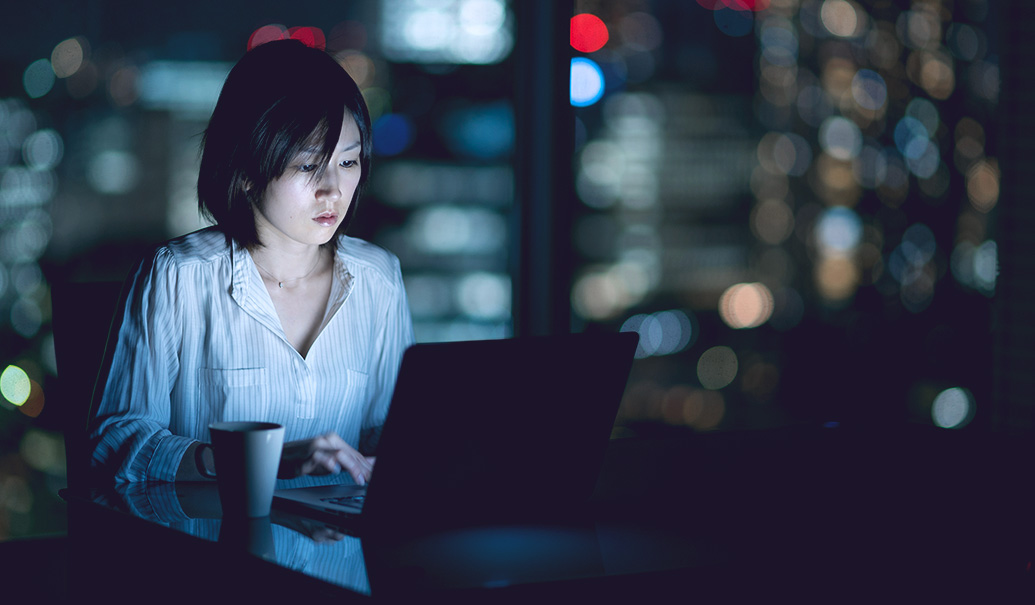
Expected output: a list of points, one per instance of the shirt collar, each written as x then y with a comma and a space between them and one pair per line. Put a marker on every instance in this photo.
248, 290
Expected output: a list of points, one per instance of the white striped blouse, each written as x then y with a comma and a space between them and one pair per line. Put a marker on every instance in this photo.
201, 342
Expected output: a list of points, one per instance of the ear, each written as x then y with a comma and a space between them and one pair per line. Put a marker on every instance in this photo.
246, 186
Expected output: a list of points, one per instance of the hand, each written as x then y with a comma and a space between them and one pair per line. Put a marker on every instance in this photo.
323, 455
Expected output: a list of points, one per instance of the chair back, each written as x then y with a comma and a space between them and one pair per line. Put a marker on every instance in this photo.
87, 317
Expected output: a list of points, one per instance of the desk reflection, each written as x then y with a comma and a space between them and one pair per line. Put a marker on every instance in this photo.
469, 559
311, 547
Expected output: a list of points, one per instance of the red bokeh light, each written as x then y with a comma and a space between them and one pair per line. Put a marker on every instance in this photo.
737, 5
266, 33
588, 33
310, 36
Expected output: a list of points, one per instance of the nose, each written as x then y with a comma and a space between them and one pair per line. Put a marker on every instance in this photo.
329, 188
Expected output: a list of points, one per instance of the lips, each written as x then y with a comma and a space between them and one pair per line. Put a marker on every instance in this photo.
327, 219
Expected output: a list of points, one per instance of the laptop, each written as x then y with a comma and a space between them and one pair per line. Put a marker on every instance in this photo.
485, 431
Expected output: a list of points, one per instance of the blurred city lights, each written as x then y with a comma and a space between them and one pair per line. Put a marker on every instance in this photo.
836, 278
983, 185
43, 149
838, 230
717, 368
457, 230
840, 137
953, 408
736, 5
43, 451
869, 89
662, 333
482, 131
785, 153
640, 31
26, 317
113, 172
841, 18
976, 266
393, 134
744, 306
734, 22
484, 296
772, 221
188, 89
67, 57
587, 82
447, 31
266, 33
38, 78
600, 295
588, 33
15, 385
124, 86
312, 37
360, 67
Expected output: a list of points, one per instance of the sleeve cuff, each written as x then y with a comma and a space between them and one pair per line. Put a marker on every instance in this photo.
165, 461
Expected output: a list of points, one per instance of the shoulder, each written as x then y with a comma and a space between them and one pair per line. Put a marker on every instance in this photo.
361, 256
198, 248
202, 246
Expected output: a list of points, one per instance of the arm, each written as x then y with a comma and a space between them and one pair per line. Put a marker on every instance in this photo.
129, 434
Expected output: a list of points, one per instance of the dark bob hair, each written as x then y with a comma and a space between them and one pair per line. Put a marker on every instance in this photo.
281, 98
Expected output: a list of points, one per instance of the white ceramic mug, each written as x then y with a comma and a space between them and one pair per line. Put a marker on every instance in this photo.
247, 457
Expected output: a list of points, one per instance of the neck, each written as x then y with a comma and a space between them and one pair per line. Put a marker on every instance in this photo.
287, 264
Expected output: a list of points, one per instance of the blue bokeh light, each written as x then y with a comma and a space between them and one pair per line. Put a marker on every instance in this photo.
587, 82
393, 134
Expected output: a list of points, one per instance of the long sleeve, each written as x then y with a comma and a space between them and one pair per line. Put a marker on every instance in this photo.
130, 433
395, 335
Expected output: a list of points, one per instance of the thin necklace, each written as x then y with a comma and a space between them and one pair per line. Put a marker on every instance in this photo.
280, 283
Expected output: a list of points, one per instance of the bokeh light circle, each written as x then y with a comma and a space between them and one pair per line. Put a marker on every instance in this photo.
587, 82
734, 22
869, 89
840, 138
266, 33
38, 78
393, 134
662, 333
588, 33
953, 408
717, 368
839, 230
744, 306
15, 385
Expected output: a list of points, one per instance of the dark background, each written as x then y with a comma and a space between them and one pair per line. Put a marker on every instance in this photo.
870, 358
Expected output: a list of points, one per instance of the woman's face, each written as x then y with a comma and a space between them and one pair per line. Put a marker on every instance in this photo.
300, 208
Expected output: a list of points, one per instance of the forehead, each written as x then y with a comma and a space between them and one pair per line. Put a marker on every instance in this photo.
348, 137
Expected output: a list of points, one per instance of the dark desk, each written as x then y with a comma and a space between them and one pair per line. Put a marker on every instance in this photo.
830, 514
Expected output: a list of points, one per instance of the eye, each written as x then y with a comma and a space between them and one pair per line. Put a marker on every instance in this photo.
349, 163
307, 167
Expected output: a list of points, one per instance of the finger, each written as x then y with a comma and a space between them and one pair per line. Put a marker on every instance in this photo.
322, 462
332, 440
355, 464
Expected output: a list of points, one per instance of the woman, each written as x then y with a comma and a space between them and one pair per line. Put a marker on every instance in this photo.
272, 314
